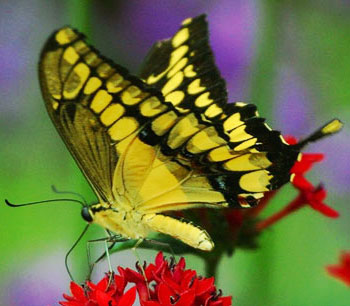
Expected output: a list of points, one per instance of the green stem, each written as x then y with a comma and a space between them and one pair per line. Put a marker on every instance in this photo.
79, 15
264, 67
262, 93
211, 264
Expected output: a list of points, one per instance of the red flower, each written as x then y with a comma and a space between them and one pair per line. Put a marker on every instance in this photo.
167, 284
101, 294
308, 193
342, 270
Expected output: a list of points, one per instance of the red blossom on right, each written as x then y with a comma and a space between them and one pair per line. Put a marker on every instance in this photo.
341, 270
308, 194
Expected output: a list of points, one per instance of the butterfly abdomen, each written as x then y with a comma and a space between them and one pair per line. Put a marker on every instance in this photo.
188, 233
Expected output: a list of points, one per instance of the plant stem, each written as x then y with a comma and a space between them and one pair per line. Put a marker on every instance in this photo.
211, 264
79, 15
263, 79
262, 93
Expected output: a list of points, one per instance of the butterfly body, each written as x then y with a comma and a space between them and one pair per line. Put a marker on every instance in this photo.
125, 222
164, 141
132, 224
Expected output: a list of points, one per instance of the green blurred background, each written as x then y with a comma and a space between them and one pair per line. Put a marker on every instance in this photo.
291, 58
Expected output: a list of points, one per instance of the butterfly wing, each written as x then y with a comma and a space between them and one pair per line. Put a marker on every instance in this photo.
183, 69
240, 155
127, 140
196, 163
96, 106
167, 143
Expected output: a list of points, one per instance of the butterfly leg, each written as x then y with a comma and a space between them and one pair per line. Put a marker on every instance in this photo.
111, 274
88, 252
112, 238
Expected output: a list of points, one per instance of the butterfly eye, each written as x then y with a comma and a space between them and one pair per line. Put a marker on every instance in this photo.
85, 213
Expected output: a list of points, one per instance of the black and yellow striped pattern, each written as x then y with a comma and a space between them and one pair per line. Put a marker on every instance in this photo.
183, 69
164, 141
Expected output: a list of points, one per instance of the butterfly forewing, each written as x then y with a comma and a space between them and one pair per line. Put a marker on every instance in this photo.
96, 106
183, 68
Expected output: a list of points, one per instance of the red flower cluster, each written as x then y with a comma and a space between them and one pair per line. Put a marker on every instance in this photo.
101, 294
308, 193
167, 284
342, 270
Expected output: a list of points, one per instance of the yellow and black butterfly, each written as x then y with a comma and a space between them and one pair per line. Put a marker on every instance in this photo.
164, 141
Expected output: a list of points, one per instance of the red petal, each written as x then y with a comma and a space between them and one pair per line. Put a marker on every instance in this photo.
143, 291
340, 273
306, 162
121, 271
181, 264
300, 167
159, 259
164, 294
67, 297
187, 279
290, 139
226, 300
312, 157
179, 270
172, 284
150, 303
150, 271
102, 284
324, 209
120, 283
91, 285
103, 299
186, 299
341, 270
128, 298
345, 259
205, 285
320, 194
302, 183
133, 276
73, 303
222, 301
77, 292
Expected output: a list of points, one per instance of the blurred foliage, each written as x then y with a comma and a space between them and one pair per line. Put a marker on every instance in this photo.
310, 37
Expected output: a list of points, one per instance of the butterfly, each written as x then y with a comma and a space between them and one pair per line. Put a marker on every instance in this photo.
164, 141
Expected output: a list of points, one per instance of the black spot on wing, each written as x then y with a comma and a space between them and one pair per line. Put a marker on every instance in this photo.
71, 111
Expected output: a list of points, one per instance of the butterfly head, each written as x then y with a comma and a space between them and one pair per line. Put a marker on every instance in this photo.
86, 214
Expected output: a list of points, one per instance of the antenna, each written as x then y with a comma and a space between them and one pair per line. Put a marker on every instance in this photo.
8, 203
54, 189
